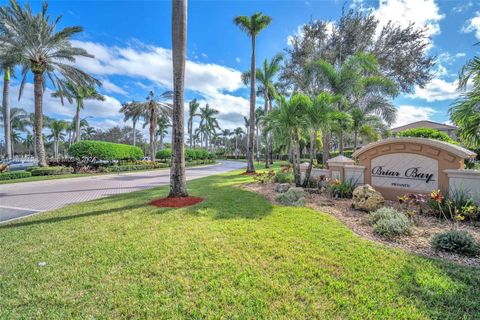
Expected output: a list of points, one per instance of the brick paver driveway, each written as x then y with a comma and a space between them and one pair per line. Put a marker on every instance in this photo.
22, 199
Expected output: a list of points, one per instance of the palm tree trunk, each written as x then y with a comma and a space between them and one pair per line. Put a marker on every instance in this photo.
355, 137
326, 148
340, 141
6, 112
190, 129
152, 136
296, 159
134, 132
258, 145
38, 95
313, 140
251, 130
55, 150
77, 123
178, 187
236, 147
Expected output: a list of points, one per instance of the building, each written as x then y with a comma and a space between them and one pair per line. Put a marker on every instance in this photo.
442, 127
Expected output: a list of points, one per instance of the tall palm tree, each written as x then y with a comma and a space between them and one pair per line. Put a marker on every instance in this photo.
226, 133
163, 124
357, 83
47, 53
151, 109
6, 110
16, 139
29, 142
238, 132
178, 186
465, 112
259, 115
87, 133
130, 111
79, 94
192, 112
57, 128
208, 122
252, 27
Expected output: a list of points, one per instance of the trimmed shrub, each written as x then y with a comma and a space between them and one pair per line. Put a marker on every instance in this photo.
426, 133
14, 175
338, 189
51, 171
164, 154
293, 197
284, 177
102, 150
458, 241
390, 223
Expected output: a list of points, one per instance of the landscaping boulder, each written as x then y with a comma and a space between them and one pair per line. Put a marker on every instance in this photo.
293, 197
282, 187
367, 198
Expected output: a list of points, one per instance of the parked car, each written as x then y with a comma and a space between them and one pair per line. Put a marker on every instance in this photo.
17, 165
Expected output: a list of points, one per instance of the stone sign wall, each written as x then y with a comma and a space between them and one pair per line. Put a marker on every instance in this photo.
410, 165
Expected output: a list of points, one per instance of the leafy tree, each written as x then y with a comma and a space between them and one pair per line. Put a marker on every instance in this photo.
117, 134
192, 112
48, 54
208, 123
57, 128
252, 27
163, 124
131, 111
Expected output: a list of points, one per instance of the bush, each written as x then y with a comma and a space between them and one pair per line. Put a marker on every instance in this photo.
456, 205
293, 197
458, 241
14, 175
390, 223
164, 154
339, 189
51, 171
426, 133
104, 150
346, 153
284, 177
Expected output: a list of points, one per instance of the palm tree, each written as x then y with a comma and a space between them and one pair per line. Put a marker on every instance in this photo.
29, 142
79, 94
252, 27
357, 83
192, 112
87, 133
290, 116
16, 139
130, 111
6, 110
163, 124
208, 123
238, 132
57, 128
178, 186
465, 112
259, 115
151, 109
226, 133
48, 54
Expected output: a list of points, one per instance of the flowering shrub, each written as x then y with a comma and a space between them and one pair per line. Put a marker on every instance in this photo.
456, 206
264, 177
339, 189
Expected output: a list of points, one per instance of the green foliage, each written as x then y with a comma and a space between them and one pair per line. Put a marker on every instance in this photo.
164, 154
293, 197
340, 189
426, 133
456, 205
134, 167
390, 223
51, 171
284, 177
197, 154
14, 175
346, 153
104, 150
458, 241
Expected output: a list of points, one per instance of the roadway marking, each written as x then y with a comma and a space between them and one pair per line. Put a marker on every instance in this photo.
18, 208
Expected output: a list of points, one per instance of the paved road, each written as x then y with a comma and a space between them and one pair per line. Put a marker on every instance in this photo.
22, 199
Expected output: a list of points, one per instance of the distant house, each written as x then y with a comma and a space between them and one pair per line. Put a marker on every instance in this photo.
446, 128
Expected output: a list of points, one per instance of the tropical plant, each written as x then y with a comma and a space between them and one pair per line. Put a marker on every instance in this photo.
208, 123
163, 123
78, 94
19, 120
252, 27
226, 134
238, 132
6, 108
57, 128
131, 111
178, 185
466, 110
192, 112
47, 53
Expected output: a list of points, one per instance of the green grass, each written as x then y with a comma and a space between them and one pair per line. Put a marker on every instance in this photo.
232, 256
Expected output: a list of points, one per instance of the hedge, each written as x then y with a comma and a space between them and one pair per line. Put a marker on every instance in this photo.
104, 150
134, 167
190, 154
426, 133
51, 171
164, 154
14, 175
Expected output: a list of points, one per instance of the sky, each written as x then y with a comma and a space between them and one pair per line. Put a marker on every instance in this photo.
131, 42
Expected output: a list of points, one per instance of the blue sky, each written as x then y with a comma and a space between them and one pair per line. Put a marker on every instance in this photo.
132, 39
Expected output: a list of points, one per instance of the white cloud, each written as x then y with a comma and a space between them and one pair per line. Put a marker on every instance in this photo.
437, 90
463, 7
408, 114
112, 87
473, 25
237, 59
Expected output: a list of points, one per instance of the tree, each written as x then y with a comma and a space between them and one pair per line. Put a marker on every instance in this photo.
290, 117
178, 186
6, 110
48, 54
163, 124
259, 115
57, 128
465, 112
252, 27
238, 132
77, 93
208, 123
88, 132
130, 111
226, 134
192, 112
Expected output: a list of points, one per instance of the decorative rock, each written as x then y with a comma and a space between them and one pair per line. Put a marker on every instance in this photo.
367, 198
282, 187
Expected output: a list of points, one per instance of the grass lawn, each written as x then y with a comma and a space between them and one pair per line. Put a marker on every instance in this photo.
232, 256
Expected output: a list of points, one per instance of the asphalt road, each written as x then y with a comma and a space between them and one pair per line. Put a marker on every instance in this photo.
18, 200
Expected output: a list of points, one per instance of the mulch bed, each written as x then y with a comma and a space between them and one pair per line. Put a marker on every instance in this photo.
178, 202
419, 241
